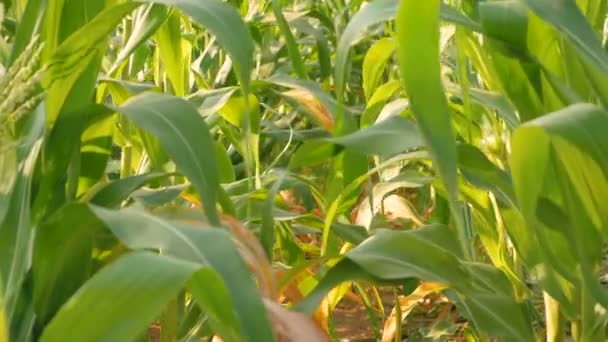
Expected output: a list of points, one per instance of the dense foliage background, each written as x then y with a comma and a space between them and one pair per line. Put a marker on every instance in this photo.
187, 169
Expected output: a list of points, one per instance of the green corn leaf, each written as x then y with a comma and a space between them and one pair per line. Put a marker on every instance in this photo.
224, 22
375, 62
406, 262
417, 26
292, 47
497, 15
8, 173
134, 289
597, 81
482, 173
153, 198
211, 101
244, 112
169, 45
64, 17
418, 37
95, 148
323, 52
267, 235
492, 100
310, 153
509, 324
111, 195
545, 44
183, 133
568, 153
207, 247
72, 70
225, 170
515, 218
377, 102
374, 13
386, 138
430, 253
146, 21
27, 28
235, 108
343, 271
517, 84
77, 49
567, 18
59, 272
16, 227
62, 144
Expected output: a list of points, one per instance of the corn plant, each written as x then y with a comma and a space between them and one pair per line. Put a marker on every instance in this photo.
185, 170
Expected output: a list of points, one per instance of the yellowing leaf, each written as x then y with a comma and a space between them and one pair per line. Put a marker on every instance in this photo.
319, 113
407, 304
3, 327
234, 111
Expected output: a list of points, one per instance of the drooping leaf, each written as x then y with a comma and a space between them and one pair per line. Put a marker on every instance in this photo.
508, 324
495, 101
342, 271
321, 105
386, 256
120, 300
64, 17
430, 253
184, 134
210, 101
209, 247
